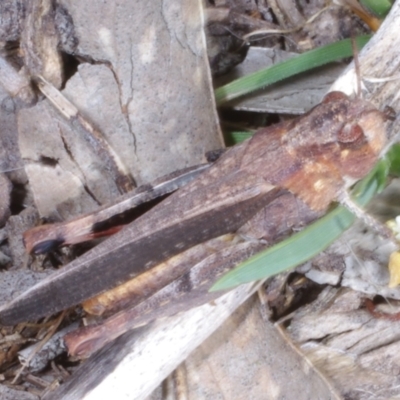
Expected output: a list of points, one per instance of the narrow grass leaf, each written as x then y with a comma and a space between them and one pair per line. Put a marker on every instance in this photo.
303, 62
378, 7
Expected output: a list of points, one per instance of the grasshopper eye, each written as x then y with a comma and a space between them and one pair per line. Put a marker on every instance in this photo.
351, 135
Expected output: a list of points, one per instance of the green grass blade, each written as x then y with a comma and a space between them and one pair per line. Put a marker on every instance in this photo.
235, 137
303, 62
378, 7
393, 158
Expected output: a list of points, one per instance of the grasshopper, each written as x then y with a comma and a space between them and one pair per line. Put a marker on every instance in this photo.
315, 157
281, 179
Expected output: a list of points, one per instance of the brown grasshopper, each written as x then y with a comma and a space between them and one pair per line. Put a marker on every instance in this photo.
311, 161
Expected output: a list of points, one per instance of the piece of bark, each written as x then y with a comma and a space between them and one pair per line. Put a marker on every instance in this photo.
84, 129
56, 154
18, 281
39, 42
51, 349
377, 60
351, 347
312, 28
4, 259
10, 159
16, 83
115, 97
247, 357
15, 226
160, 65
5, 192
7, 393
3, 235
12, 12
